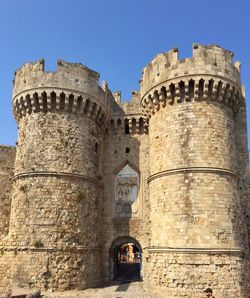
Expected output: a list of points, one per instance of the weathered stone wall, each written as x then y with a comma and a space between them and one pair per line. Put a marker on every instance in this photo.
245, 197
50, 268
243, 162
55, 201
193, 184
199, 168
54, 224
125, 147
187, 274
7, 159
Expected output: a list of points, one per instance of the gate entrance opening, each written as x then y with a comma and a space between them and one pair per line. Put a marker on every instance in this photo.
126, 259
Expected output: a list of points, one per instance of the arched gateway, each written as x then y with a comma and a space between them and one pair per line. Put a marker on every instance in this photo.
125, 259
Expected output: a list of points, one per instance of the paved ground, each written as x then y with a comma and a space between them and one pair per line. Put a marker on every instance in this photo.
124, 290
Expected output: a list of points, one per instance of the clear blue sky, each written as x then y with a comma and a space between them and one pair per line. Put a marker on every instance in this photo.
117, 38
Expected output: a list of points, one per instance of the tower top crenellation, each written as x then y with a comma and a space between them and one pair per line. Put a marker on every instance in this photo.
75, 76
72, 88
206, 60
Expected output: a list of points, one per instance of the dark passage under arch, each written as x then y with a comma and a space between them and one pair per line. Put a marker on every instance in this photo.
125, 259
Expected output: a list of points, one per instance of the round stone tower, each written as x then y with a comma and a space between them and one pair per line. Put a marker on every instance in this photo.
198, 233
54, 224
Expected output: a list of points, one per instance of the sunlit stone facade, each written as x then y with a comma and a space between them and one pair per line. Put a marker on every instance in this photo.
166, 172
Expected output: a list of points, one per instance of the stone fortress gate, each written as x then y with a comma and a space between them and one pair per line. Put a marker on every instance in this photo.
95, 182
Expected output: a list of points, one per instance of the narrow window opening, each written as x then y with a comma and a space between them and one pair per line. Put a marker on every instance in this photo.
141, 125
96, 147
36, 103
126, 124
79, 104
127, 150
119, 125
94, 107
28, 101
201, 88
163, 96
210, 88
191, 89
226, 93
21, 102
44, 100
232, 93
62, 101
86, 108
134, 125
172, 92
71, 100
112, 125
219, 89
53, 100
182, 90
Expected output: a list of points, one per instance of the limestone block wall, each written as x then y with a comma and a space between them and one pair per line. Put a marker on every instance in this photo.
187, 274
7, 159
243, 162
125, 144
199, 168
245, 197
54, 239
55, 167
195, 201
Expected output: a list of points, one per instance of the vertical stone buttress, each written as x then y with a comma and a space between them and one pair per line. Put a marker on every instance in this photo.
198, 230
54, 224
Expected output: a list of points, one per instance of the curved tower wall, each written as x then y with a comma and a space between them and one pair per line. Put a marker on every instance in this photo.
7, 159
198, 233
54, 224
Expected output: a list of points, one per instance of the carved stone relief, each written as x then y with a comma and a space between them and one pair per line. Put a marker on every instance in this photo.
126, 192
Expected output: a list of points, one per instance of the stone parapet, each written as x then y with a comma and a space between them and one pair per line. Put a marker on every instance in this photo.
127, 117
73, 88
193, 88
128, 124
209, 75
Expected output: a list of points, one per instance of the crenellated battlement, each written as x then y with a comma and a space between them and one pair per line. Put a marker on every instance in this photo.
73, 76
208, 75
129, 124
193, 88
128, 117
212, 51
72, 88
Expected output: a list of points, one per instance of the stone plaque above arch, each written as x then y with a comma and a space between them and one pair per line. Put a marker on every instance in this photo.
127, 182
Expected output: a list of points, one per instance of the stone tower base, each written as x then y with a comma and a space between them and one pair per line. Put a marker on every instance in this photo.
187, 274
45, 268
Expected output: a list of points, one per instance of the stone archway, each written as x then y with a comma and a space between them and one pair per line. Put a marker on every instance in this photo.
128, 267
